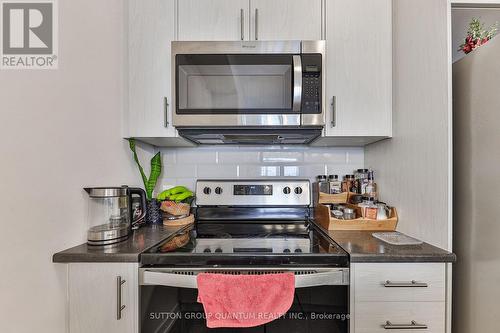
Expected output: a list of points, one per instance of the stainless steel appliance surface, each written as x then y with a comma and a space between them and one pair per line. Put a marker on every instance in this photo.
248, 227
109, 215
248, 92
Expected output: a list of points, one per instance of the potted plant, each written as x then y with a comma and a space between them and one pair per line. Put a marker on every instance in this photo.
153, 213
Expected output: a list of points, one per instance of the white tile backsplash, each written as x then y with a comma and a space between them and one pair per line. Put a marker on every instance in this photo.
217, 171
282, 156
182, 166
196, 156
237, 157
258, 171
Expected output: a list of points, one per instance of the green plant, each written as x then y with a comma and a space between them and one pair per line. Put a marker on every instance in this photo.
149, 183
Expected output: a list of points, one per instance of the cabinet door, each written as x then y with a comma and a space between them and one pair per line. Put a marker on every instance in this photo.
213, 20
151, 29
359, 68
285, 19
93, 297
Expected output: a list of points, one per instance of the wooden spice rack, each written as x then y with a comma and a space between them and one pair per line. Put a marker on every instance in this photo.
323, 217
340, 198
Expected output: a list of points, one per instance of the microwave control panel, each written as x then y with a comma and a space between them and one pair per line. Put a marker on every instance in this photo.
311, 83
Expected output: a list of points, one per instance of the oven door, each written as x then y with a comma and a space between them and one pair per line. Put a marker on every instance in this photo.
168, 301
224, 90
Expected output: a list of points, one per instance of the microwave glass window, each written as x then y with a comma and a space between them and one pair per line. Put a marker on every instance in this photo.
235, 83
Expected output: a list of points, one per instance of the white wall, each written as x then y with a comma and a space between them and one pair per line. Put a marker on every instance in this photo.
182, 166
415, 165
60, 130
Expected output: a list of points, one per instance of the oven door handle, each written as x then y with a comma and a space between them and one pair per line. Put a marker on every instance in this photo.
158, 278
297, 83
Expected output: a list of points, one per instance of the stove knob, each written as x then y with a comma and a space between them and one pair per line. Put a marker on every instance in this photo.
218, 250
298, 190
286, 251
297, 251
218, 190
287, 190
207, 250
207, 190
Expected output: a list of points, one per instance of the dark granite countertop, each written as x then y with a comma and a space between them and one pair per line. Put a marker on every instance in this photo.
363, 247
126, 251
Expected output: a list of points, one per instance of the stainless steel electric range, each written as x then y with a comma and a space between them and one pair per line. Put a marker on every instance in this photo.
247, 227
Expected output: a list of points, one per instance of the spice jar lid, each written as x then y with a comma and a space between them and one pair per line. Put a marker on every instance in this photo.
356, 198
321, 177
349, 176
337, 214
333, 177
362, 170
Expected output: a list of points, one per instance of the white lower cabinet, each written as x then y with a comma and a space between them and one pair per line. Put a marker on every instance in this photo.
103, 297
399, 297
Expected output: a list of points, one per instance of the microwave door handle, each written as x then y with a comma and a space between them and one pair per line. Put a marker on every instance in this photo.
297, 83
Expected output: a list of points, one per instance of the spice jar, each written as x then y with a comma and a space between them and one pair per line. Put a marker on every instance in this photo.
361, 176
371, 187
349, 214
323, 184
356, 199
349, 184
368, 208
335, 184
382, 211
338, 214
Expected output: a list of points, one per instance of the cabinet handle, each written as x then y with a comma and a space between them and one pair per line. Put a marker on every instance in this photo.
412, 326
119, 306
165, 106
242, 24
256, 24
334, 111
412, 284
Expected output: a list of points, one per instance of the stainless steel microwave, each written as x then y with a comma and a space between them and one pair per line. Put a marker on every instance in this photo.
244, 91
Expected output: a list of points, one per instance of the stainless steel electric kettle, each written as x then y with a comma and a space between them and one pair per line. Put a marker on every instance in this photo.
109, 216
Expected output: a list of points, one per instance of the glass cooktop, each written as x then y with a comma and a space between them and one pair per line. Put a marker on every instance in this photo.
263, 243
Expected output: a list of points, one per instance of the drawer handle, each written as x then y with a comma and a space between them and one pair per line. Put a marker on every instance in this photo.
412, 284
413, 326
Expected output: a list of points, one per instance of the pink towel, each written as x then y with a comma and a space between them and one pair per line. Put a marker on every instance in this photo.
244, 300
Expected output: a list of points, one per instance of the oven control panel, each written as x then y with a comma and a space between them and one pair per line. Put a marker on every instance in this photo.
253, 245
253, 192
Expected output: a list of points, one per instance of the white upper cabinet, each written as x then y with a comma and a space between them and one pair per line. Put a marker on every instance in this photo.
285, 19
249, 19
151, 28
213, 20
359, 68
358, 33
